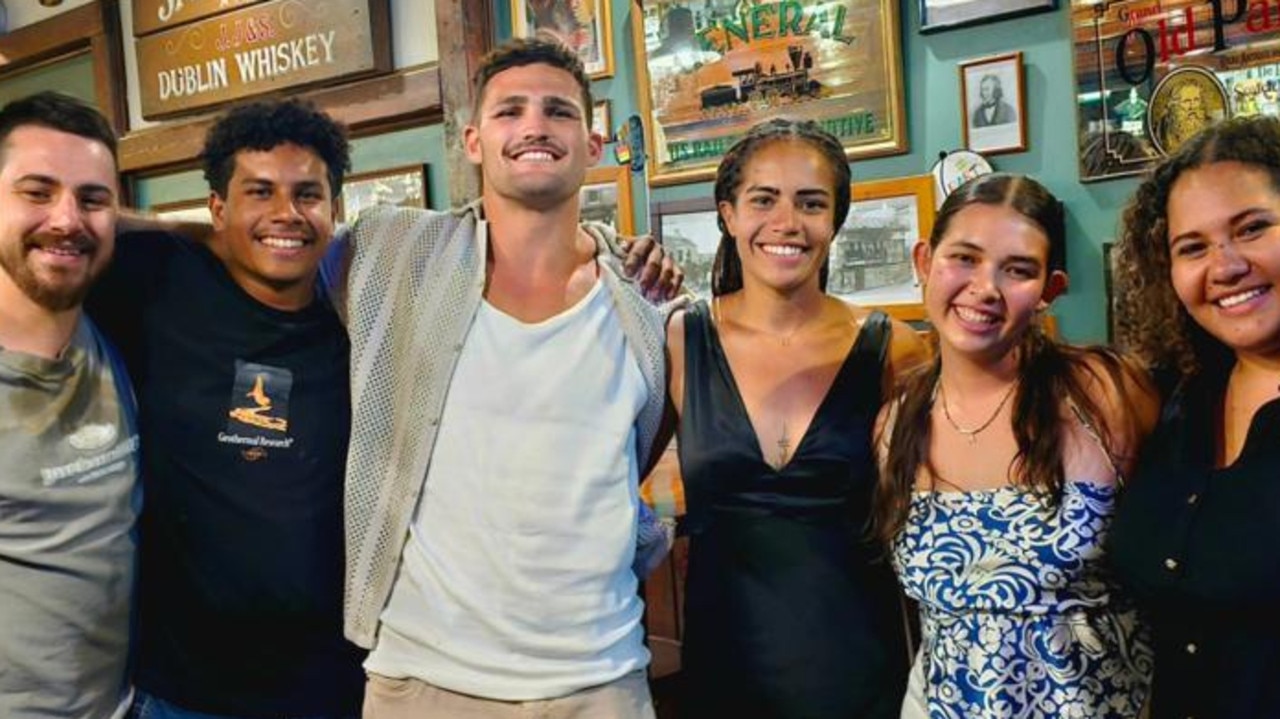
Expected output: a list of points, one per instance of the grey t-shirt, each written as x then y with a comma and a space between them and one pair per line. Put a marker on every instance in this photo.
69, 497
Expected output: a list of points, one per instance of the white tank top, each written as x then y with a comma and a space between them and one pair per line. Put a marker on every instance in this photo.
515, 582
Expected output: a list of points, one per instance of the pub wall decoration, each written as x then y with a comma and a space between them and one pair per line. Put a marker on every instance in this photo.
710, 69
1150, 73
582, 25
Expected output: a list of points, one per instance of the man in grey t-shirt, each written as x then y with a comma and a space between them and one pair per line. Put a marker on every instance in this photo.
68, 490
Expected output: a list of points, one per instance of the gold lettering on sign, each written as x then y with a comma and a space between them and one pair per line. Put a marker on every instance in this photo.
267, 46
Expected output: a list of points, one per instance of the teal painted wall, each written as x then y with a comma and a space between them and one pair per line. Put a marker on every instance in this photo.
933, 102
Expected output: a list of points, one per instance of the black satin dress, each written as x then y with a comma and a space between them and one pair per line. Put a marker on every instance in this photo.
790, 611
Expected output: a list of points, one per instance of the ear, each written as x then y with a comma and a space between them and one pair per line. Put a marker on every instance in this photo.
922, 258
1055, 285
471, 143
727, 214
217, 210
595, 147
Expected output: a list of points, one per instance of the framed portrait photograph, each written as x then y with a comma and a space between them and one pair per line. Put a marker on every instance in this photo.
602, 120
870, 262
584, 26
707, 73
606, 197
196, 211
938, 15
993, 100
688, 232
402, 186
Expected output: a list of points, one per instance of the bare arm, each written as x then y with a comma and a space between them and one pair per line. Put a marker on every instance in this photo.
134, 221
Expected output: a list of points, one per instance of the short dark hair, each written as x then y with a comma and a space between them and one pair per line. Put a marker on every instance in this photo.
541, 49
726, 271
267, 124
56, 111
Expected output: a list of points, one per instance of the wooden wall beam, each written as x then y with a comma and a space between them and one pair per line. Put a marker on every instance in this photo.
464, 31
406, 97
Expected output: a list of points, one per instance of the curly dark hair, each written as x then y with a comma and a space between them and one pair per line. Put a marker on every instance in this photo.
1150, 320
542, 49
57, 111
266, 124
726, 273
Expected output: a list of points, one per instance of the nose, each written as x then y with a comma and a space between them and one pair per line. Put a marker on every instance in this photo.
284, 207
982, 284
65, 215
786, 218
1227, 264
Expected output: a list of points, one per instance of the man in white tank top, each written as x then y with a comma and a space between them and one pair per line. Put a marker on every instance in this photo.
499, 581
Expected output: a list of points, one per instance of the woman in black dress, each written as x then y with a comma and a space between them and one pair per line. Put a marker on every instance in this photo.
790, 611
1196, 535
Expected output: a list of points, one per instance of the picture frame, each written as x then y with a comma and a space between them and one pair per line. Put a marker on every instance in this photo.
993, 103
602, 120
193, 210
937, 15
404, 186
606, 197
689, 233
584, 26
705, 75
870, 263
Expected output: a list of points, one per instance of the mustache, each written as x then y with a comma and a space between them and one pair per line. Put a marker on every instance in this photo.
540, 144
80, 241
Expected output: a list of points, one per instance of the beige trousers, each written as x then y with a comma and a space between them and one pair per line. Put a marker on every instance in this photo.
386, 698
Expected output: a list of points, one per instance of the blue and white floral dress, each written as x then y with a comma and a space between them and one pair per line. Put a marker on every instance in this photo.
1018, 616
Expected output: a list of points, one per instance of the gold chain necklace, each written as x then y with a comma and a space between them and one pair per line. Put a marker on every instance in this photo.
971, 434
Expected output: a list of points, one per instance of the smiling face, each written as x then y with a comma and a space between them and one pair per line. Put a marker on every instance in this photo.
58, 207
782, 218
274, 225
530, 137
1224, 254
985, 279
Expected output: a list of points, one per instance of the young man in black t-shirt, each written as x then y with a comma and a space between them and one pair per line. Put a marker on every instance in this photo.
241, 371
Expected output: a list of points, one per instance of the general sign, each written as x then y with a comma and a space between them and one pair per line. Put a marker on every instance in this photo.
260, 48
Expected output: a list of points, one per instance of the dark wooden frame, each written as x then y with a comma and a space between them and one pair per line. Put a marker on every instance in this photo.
94, 29
978, 17
1020, 104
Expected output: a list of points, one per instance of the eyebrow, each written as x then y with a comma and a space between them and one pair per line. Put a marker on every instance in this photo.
50, 180
1027, 259
1233, 220
806, 192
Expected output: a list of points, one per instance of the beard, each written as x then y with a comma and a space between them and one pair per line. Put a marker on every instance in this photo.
59, 290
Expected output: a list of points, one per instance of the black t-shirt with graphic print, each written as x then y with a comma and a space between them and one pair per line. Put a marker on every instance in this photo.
244, 413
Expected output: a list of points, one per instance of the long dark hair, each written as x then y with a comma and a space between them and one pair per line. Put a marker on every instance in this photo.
726, 273
1048, 373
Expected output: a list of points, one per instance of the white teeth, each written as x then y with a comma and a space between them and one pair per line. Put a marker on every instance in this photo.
970, 315
63, 251
1241, 298
781, 250
282, 243
536, 156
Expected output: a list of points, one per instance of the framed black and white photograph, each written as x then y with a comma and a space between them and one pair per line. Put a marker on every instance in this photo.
870, 261
993, 100
688, 231
606, 197
938, 15
401, 186
602, 120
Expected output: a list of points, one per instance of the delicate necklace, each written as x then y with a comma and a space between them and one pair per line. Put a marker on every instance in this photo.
971, 434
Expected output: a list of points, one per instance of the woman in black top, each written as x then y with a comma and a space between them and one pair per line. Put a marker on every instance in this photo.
789, 613
1197, 535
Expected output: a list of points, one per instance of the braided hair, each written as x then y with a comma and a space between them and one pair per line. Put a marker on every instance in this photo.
726, 273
